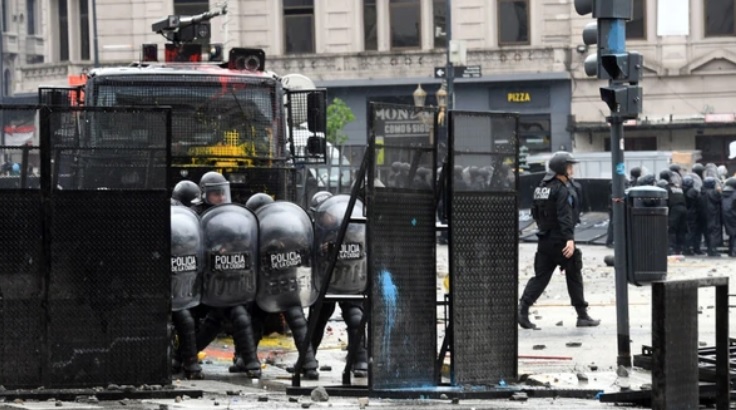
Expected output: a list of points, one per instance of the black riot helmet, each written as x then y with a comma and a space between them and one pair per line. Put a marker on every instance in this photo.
698, 168
665, 175
215, 188
688, 182
185, 192
662, 183
709, 182
730, 184
317, 199
558, 162
258, 200
635, 172
648, 179
675, 168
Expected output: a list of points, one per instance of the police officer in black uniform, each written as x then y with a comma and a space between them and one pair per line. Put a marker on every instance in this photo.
635, 175
728, 212
185, 192
556, 210
710, 207
677, 214
692, 203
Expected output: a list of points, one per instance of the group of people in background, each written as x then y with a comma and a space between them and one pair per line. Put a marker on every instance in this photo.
700, 205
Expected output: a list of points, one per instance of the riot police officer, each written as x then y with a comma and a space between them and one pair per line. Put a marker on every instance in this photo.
215, 190
186, 192
728, 209
349, 276
556, 210
677, 214
635, 175
698, 169
647, 180
186, 287
692, 204
710, 206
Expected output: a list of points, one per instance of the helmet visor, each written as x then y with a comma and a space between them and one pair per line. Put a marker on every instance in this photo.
217, 193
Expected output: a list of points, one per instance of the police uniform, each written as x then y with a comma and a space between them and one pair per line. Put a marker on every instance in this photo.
677, 219
556, 210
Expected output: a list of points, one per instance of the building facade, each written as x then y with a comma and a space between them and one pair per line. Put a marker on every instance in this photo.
529, 53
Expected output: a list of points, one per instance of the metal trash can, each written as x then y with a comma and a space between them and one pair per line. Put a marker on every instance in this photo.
646, 234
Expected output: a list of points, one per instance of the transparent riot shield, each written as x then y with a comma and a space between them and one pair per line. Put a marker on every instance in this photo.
186, 259
231, 249
285, 275
349, 275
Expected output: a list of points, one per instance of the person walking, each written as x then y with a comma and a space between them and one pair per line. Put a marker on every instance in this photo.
556, 210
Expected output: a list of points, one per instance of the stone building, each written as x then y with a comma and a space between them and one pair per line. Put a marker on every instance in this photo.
530, 55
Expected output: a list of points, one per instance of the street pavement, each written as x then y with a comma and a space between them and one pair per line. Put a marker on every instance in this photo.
558, 357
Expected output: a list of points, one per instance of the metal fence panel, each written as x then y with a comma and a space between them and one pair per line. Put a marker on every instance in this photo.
483, 246
402, 248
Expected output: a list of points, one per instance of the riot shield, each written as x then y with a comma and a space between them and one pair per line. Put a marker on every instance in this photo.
231, 249
350, 274
186, 259
285, 275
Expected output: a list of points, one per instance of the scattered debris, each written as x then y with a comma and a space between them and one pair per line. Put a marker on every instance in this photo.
320, 394
455, 400
538, 347
262, 398
293, 399
582, 377
593, 367
538, 317
520, 396
443, 396
306, 405
363, 402
701, 344
645, 386
622, 371
558, 323
233, 392
325, 368
573, 344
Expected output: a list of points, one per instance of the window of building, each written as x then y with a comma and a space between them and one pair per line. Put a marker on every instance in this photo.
719, 18
63, 31
31, 10
370, 25
513, 22
299, 26
5, 15
84, 29
439, 8
405, 24
715, 149
7, 82
534, 133
190, 7
636, 29
635, 144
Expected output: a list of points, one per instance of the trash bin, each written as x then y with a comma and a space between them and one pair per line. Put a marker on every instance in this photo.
646, 234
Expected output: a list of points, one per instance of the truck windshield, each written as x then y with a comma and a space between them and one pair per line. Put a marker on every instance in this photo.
211, 111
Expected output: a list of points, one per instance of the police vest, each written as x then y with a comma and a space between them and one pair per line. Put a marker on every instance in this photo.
544, 207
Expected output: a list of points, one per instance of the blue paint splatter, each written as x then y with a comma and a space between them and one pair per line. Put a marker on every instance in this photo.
414, 222
390, 299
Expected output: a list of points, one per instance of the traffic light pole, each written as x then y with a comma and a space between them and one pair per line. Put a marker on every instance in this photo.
619, 240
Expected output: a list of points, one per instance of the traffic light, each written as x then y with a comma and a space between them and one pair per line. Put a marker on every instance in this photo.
611, 61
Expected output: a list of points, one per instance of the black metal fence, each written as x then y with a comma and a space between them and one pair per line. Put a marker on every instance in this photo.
402, 247
483, 220
85, 276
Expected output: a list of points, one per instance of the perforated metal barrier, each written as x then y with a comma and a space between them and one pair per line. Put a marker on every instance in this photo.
483, 246
86, 278
401, 241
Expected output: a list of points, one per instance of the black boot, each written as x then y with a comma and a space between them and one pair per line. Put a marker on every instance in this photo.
187, 352
524, 321
246, 350
584, 320
298, 324
353, 315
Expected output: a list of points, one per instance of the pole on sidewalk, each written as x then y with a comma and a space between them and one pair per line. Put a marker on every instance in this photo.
619, 241
449, 68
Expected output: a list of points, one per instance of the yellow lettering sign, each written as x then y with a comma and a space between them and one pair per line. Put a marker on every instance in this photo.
519, 97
